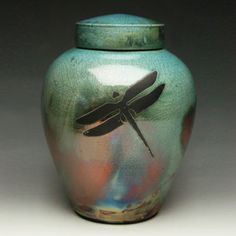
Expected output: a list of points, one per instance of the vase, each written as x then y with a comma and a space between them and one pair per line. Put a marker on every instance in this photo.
117, 112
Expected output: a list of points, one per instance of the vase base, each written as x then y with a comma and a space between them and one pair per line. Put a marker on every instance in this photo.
116, 222
112, 216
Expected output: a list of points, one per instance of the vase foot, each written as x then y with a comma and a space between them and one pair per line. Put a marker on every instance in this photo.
115, 216
117, 221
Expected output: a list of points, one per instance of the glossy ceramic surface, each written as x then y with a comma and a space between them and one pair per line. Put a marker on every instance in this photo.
120, 173
119, 32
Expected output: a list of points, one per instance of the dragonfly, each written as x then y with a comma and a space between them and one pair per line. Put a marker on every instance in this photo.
112, 115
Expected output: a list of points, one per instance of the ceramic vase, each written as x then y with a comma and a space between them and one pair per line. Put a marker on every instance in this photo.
118, 111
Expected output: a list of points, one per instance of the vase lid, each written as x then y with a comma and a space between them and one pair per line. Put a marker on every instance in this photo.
119, 32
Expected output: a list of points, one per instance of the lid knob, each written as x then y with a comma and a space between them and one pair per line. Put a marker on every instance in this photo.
119, 32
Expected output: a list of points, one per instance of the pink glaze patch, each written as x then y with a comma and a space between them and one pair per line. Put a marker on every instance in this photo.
84, 179
52, 144
153, 173
187, 126
87, 180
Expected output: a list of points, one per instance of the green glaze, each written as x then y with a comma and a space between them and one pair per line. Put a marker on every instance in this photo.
119, 32
113, 177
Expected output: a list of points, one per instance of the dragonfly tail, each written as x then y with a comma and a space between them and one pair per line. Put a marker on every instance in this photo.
138, 131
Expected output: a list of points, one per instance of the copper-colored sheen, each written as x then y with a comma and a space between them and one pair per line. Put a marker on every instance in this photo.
118, 121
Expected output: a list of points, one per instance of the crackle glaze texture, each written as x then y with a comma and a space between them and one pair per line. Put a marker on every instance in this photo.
113, 177
120, 32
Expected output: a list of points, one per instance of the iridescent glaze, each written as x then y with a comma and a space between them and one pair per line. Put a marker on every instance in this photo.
114, 177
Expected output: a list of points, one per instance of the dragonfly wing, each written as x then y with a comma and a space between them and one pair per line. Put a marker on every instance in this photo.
105, 127
140, 86
96, 114
147, 100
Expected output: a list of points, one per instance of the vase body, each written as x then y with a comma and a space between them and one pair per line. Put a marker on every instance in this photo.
117, 124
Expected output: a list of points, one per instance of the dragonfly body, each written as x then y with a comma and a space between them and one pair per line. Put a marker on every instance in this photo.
113, 115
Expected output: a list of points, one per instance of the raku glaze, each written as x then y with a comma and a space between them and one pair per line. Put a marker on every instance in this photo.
117, 124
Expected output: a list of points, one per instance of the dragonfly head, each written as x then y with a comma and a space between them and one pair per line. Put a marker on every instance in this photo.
115, 94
